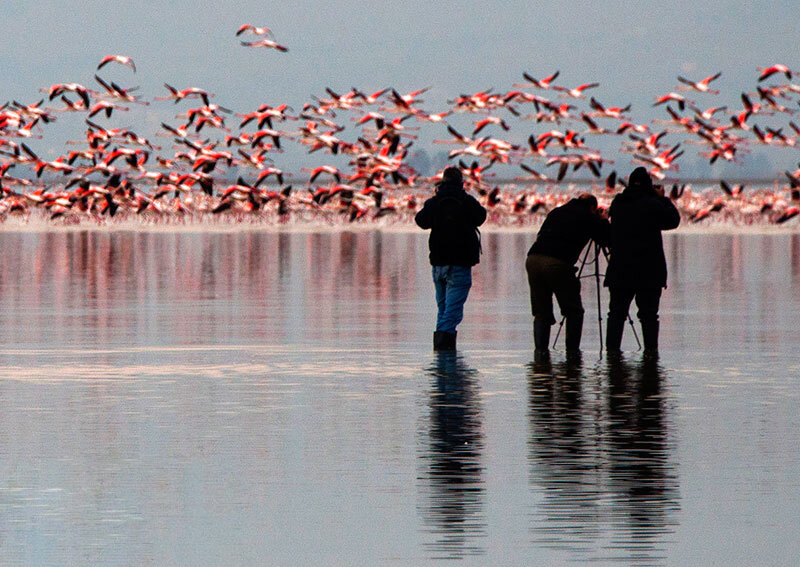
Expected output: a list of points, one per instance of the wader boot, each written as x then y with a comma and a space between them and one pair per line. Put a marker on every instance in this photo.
444, 341
541, 362
650, 336
541, 335
614, 330
573, 332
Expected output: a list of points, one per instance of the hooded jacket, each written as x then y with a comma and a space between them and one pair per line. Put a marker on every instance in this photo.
453, 217
638, 215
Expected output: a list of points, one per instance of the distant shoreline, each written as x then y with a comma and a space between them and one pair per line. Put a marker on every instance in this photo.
311, 227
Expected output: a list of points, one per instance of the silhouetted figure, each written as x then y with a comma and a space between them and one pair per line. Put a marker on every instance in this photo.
602, 461
453, 217
637, 267
454, 470
551, 267
564, 454
641, 471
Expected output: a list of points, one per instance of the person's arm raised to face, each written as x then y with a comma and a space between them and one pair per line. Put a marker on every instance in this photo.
668, 215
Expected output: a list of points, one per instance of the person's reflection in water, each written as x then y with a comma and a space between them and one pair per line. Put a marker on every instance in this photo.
642, 476
601, 458
563, 453
454, 511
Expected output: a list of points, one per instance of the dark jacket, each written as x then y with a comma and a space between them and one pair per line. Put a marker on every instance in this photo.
567, 229
453, 217
638, 215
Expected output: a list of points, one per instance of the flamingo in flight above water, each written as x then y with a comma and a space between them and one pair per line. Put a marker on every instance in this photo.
121, 59
192, 92
709, 113
681, 100
577, 92
769, 71
369, 99
700, 86
265, 43
253, 30
404, 103
379, 154
481, 124
608, 112
436, 117
115, 91
80, 90
540, 83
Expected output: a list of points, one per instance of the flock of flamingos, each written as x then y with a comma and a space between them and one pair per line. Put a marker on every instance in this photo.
117, 173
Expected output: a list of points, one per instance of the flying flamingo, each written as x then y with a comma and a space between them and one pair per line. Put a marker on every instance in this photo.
121, 59
178, 96
107, 107
481, 124
329, 169
577, 92
700, 86
540, 83
709, 113
769, 71
253, 30
681, 100
80, 90
267, 43
608, 112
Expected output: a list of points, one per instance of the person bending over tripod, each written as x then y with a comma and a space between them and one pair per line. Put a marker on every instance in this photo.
551, 267
637, 267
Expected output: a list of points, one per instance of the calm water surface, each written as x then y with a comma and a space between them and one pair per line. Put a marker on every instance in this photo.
272, 399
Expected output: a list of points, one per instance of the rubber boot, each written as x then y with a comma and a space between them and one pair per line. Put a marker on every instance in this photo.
449, 341
650, 336
444, 341
541, 362
541, 335
614, 330
573, 332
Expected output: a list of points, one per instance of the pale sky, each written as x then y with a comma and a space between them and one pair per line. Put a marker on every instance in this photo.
454, 47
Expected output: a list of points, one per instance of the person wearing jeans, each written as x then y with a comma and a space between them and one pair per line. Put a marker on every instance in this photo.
453, 217
452, 285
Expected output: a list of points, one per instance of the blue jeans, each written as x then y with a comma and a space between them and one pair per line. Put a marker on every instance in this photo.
452, 285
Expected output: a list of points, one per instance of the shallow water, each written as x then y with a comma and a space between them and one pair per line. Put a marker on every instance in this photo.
270, 398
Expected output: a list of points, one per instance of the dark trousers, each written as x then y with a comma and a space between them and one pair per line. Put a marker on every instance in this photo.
548, 277
647, 300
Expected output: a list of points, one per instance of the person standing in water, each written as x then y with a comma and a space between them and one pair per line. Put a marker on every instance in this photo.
453, 217
551, 267
637, 267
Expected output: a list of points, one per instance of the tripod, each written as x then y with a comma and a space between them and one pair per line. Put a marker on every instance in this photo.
594, 246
